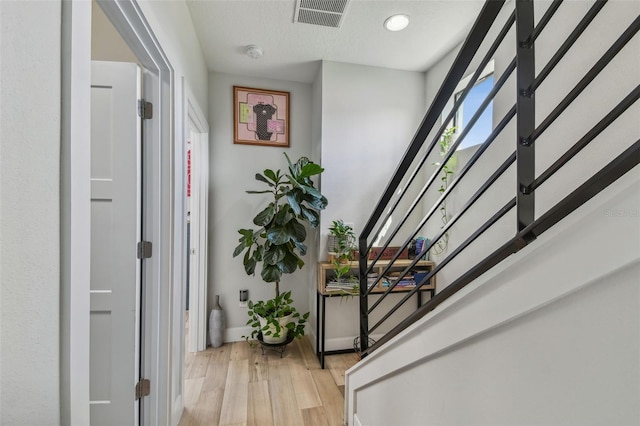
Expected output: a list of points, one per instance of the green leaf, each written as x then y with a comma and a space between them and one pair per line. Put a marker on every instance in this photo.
250, 266
279, 235
264, 179
271, 273
274, 255
247, 237
246, 233
239, 249
288, 162
293, 202
289, 263
294, 183
316, 203
311, 190
301, 248
310, 169
284, 215
265, 216
311, 216
257, 254
296, 168
275, 177
296, 231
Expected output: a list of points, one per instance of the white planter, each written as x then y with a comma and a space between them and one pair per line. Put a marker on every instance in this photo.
283, 332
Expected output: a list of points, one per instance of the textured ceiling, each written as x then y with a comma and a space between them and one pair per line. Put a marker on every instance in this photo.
293, 51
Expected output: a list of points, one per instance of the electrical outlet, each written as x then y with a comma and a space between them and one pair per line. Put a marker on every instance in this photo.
244, 297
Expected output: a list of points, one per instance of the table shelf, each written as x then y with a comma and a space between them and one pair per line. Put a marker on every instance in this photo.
326, 271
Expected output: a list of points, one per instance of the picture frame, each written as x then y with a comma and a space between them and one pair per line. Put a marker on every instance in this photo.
260, 117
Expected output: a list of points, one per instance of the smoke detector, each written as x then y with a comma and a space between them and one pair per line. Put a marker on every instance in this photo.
253, 51
321, 12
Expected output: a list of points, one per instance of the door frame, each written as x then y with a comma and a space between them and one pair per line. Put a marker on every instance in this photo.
158, 225
191, 113
198, 298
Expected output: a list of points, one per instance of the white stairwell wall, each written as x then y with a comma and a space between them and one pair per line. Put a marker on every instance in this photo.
550, 336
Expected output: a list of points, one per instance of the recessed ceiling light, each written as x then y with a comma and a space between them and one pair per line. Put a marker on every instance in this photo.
396, 22
254, 51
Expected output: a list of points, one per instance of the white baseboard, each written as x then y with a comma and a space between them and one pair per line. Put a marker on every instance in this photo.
338, 343
235, 334
178, 408
356, 420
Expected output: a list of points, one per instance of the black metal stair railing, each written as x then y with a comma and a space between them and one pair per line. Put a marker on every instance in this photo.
411, 169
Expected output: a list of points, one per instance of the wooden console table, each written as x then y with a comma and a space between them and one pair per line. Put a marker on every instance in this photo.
326, 270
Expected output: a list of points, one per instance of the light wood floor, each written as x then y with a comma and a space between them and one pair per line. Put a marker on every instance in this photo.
236, 385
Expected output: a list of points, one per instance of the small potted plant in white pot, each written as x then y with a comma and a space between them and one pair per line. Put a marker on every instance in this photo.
278, 244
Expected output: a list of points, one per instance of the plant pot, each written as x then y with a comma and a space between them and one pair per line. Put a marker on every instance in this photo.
283, 332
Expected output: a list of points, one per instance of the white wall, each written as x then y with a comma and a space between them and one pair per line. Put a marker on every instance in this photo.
617, 80
533, 332
369, 116
550, 336
232, 172
502, 191
171, 23
29, 211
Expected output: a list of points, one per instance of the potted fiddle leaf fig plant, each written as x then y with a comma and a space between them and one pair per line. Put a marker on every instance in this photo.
277, 245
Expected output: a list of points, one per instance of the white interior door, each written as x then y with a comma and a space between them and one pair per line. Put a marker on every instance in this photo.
115, 232
198, 240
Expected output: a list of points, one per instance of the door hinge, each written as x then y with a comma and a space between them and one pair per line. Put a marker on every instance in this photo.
145, 249
143, 388
145, 109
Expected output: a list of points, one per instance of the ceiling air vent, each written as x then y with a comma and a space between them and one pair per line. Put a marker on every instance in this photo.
327, 13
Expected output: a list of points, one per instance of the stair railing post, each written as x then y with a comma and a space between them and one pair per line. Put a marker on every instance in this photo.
364, 300
525, 109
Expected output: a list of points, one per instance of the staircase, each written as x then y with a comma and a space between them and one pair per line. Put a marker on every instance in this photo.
535, 231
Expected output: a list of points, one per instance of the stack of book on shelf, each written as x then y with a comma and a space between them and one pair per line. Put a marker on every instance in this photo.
406, 282
349, 286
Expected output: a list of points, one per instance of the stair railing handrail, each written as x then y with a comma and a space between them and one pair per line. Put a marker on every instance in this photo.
481, 27
528, 227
